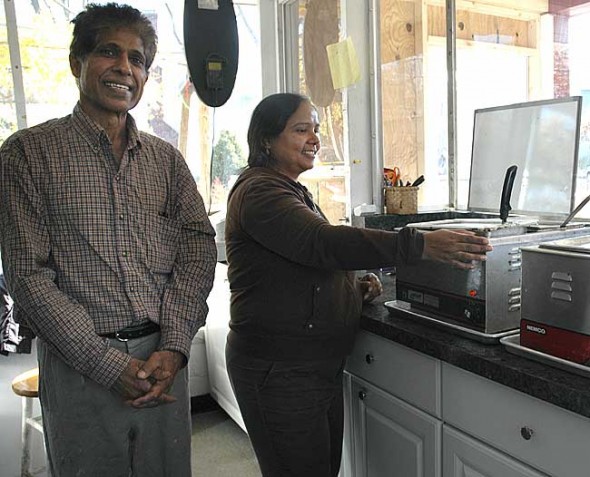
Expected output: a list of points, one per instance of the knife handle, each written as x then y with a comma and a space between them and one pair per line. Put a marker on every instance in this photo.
507, 192
418, 181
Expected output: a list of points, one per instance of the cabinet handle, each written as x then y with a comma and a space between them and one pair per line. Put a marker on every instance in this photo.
526, 433
362, 394
369, 358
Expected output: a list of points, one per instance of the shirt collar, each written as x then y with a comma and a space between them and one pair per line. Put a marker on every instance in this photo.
93, 132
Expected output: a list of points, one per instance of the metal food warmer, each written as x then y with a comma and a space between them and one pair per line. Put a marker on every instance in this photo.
486, 301
556, 299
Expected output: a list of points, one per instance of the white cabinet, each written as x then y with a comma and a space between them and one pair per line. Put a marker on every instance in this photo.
393, 397
467, 457
409, 414
392, 438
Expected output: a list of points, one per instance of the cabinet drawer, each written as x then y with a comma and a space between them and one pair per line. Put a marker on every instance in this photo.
547, 437
407, 374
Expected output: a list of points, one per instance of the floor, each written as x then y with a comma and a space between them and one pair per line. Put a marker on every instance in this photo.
220, 447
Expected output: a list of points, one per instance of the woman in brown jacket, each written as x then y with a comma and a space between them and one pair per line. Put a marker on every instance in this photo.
295, 301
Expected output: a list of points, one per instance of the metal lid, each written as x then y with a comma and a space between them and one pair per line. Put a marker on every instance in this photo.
490, 227
541, 139
575, 244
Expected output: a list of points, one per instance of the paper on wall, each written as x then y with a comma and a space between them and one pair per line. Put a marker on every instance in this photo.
344, 64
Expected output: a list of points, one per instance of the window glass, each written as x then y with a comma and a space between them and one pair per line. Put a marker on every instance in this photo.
7, 105
44, 34
497, 64
579, 84
319, 25
503, 75
507, 51
518, 52
414, 99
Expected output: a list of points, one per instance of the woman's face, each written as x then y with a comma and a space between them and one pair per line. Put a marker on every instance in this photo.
294, 150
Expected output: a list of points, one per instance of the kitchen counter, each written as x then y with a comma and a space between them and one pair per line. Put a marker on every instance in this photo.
566, 390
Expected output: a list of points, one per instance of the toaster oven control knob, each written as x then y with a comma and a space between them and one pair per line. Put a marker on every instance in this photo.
362, 394
526, 433
369, 358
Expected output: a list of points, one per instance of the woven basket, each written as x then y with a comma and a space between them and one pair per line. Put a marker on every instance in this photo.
401, 200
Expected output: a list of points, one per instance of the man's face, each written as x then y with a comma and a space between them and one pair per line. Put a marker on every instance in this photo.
111, 77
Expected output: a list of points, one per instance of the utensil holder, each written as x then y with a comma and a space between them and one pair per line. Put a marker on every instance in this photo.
401, 200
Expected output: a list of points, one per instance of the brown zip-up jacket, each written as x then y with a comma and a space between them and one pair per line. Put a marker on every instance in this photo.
293, 295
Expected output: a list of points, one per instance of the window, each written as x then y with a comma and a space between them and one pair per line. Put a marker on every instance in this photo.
507, 51
406, 115
47, 84
317, 24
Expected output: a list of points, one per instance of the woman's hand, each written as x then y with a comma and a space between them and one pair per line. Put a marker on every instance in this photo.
460, 248
371, 287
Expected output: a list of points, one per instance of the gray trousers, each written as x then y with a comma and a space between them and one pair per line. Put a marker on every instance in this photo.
90, 431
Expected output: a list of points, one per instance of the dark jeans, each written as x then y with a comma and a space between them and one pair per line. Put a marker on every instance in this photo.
293, 412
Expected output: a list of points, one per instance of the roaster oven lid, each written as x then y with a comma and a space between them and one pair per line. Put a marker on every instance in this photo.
574, 244
541, 139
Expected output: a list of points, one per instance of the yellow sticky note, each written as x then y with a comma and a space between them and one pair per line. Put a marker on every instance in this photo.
344, 64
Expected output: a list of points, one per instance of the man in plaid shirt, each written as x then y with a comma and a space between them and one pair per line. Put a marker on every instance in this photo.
109, 257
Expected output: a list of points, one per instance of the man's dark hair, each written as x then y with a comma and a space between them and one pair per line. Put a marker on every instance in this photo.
95, 20
268, 122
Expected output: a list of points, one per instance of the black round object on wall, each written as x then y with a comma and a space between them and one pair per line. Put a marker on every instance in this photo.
212, 50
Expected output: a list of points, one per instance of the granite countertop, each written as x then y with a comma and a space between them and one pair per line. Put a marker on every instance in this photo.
492, 361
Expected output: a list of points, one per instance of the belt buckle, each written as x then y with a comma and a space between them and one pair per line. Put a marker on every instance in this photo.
124, 340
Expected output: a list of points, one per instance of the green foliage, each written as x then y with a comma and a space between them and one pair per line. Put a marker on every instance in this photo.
44, 48
44, 57
228, 157
44, 54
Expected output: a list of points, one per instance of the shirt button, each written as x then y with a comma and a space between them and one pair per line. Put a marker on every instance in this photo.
121, 216
131, 289
310, 326
125, 253
118, 177
317, 289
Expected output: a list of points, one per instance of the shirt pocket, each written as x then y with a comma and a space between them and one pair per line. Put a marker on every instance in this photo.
318, 319
164, 238
334, 304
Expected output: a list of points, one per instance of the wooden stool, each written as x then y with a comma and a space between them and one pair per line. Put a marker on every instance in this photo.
26, 385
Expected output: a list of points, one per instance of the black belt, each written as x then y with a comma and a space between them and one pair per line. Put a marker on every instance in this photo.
132, 332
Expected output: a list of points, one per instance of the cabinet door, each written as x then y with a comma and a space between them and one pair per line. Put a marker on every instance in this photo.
390, 437
467, 457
